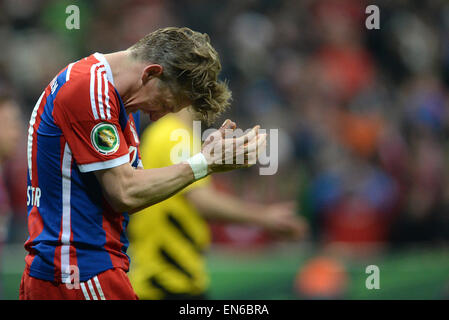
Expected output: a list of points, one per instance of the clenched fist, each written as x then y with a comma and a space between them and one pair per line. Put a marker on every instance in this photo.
223, 151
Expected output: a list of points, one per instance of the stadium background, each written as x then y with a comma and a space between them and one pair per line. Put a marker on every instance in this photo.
363, 143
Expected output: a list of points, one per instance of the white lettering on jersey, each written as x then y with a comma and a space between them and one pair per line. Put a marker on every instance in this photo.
34, 196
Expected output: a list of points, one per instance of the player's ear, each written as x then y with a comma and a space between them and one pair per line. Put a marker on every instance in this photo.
150, 71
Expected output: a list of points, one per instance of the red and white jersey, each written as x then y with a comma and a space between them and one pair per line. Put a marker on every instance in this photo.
79, 125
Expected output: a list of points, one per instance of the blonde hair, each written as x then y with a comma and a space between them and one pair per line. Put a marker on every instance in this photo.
190, 64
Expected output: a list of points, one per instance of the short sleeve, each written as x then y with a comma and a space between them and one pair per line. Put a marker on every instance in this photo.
88, 113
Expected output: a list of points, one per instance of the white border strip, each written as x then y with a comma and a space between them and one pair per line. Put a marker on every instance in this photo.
104, 164
69, 68
92, 90
106, 93
100, 291
66, 228
30, 134
100, 93
100, 57
140, 164
83, 288
92, 290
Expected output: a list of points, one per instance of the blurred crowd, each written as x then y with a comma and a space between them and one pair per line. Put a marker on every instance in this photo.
363, 115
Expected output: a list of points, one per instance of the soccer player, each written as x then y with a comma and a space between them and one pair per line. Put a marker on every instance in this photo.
84, 169
168, 240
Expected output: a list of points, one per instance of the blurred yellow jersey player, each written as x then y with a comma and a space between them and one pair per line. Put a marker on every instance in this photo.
167, 240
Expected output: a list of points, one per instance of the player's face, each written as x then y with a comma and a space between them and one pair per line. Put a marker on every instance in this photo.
158, 100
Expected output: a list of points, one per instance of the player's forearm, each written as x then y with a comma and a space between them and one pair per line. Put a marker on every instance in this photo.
219, 206
131, 190
151, 186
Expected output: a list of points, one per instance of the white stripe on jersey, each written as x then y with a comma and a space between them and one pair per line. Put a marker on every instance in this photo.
99, 89
92, 290
66, 230
100, 57
92, 90
101, 165
100, 291
30, 134
140, 164
106, 93
86, 295
107, 77
69, 68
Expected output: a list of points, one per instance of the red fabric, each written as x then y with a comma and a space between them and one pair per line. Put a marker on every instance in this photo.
73, 113
113, 227
114, 285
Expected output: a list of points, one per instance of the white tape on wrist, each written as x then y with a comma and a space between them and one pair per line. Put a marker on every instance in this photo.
198, 163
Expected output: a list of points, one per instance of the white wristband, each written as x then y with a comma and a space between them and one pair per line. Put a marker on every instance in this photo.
198, 163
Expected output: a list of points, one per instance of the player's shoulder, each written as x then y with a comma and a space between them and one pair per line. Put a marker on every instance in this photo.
77, 78
89, 85
87, 73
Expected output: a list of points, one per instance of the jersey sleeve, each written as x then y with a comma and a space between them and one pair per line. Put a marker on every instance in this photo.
88, 114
